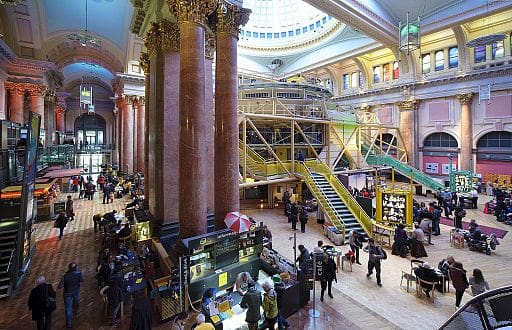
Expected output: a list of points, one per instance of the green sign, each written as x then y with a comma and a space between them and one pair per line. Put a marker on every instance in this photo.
461, 181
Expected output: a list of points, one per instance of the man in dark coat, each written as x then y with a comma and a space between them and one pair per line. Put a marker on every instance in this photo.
328, 275
115, 292
106, 192
428, 274
37, 303
252, 301
294, 213
60, 223
141, 313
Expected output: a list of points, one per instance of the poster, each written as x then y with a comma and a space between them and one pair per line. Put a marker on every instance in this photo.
432, 168
446, 168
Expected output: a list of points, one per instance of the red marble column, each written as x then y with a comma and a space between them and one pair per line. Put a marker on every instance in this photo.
115, 151
37, 101
144, 63
193, 129
60, 119
227, 197
127, 123
210, 133
140, 134
163, 123
466, 131
16, 102
135, 108
120, 106
3, 110
407, 109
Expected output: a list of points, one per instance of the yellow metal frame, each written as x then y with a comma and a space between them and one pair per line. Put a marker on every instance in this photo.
407, 194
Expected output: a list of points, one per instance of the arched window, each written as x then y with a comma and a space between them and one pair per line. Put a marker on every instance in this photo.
355, 79
389, 141
425, 63
439, 60
496, 140
90, 129
453, 57
376, 74
440, 140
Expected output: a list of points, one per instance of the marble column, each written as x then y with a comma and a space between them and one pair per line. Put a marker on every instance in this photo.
141, 107
135, 107
60, 119
192, 17
37, 93
163, 126
120, 106
407, 113
115, 149
466, 131
16, 102
144, 63
227, 196
127, 123
3, 110
210, 118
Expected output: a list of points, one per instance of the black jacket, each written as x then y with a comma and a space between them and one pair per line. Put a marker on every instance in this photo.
37, 300
329, 270
141, 314
426, 274
116, 288
71, 281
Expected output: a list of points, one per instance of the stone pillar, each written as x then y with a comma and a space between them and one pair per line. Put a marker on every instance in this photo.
466, 131
115, 150
37, 93
135, 108
227, 197
16, 100
209, 109
127, 123
162, 125
140, 134
407, 113
192, 16
3, 110
144, 63
120, 107
60, 119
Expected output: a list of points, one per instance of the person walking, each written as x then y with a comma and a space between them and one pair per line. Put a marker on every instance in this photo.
328, 275
141, 318
252, 301
303, 218
294, 212
70, 212
41, 302
61, 223
376, 254
459, 281
354, 240
107, 188
478, 283
270, 309
303, 257
70, 282
286, 201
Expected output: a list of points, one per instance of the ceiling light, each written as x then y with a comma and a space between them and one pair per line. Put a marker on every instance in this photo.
409, 35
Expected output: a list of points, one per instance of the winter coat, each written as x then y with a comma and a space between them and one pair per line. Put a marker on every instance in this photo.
329, 270
141, 314
459, 279
61, 221
37, 300
270, 304
115, 291
252, 301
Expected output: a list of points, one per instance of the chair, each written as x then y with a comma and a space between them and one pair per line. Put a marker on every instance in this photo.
409, 277
415, 263
127, 241
104, 297
419, 287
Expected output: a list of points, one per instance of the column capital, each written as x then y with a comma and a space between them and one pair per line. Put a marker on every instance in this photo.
163, 34
408, 105
50, 96
36, 90
141, 100
60, 109
230, 17
209, 46
195, 11
465, 99
367, 108
16, 87
144, 62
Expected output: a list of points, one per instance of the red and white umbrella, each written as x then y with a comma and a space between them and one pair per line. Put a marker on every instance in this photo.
237, 222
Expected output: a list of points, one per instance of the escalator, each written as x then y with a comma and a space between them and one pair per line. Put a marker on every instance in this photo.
7, 256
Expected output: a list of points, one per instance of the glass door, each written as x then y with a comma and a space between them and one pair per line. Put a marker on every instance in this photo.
96, 161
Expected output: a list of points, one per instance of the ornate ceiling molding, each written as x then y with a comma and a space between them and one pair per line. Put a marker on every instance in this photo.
229, 18
195, 11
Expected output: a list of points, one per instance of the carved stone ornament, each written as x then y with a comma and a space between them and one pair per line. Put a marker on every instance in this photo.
60, 109
209, 46
37, 90
408, 105
465, 99
367, 108
9, 2
163, 34
144, 62
21, 88
230, 18
196, 11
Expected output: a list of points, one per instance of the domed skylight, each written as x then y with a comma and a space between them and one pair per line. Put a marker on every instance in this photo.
283, 23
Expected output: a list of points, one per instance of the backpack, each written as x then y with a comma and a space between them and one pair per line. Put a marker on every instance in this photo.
383, 253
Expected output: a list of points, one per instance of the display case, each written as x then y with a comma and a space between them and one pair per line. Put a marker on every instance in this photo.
394, 207
251, 243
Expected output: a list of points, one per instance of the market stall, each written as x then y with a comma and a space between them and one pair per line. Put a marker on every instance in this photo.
394, 206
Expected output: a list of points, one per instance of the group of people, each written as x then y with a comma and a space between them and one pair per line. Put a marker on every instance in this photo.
364, 192
295, 212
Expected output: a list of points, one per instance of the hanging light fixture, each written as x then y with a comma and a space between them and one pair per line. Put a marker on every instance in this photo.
409, 35
85, 38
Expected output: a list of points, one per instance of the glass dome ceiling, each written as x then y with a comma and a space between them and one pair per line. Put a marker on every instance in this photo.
284, 23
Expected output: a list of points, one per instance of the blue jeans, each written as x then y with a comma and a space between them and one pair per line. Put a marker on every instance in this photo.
70, 305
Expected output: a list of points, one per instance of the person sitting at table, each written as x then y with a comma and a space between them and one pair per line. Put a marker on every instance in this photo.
241, 282
125, 231
416, 243
427, 273
201, 323
401, 243
444, 265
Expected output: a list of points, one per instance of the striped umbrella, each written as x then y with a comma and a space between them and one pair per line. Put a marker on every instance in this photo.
237, 222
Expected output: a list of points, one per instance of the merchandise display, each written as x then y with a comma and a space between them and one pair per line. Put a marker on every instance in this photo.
394, 207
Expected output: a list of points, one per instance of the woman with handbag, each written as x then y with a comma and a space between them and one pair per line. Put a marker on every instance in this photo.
42, 303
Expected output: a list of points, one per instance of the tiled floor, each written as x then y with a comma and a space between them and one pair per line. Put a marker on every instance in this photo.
358, 302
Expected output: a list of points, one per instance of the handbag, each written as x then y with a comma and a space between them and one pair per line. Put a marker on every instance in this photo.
50, 302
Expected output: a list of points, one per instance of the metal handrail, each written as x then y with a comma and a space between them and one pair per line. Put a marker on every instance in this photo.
10, 260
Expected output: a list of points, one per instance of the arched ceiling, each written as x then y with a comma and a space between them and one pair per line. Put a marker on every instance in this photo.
78, 70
